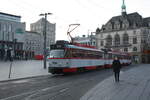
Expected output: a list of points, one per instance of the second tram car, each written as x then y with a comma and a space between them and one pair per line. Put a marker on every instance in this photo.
65, 57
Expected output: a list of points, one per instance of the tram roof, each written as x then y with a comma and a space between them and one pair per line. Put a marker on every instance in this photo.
83, 48
118, 53
93, 49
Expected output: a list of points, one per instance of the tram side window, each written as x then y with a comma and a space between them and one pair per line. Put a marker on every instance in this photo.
78, 53
68, 54
81, 53
96, 55
75, 53
129, 57
114, 55
100, 55
119, 56
125, 57
87, 54
110, 56
90, 54
103, 55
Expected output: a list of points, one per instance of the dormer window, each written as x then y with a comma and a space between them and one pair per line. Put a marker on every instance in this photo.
113, 25
103, 29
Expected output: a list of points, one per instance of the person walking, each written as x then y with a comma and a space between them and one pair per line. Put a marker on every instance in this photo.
116, 65
9, 55
0, 54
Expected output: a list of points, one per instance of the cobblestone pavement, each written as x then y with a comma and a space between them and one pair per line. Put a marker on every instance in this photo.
22, 69
134, 85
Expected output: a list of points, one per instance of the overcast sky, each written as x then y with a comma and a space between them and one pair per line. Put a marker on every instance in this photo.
90, 14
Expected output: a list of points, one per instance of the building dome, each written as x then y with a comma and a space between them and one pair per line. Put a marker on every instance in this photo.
123, 6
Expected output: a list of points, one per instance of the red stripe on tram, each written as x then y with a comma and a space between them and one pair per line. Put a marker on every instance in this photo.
90, 67
70, 70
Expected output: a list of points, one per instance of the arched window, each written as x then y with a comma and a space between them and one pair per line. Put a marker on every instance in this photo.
120, 24
109, 40
135, 49
94, 43
125, 39
117, 40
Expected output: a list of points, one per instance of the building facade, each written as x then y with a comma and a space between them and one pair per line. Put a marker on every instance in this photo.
87, 40
34, 43
50, 31
11, 33
126, 33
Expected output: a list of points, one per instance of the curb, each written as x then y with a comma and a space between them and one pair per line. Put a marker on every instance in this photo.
16, 79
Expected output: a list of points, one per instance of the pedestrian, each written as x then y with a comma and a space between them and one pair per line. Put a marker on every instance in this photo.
0, 54
3, 53
12, 54
116, 65
26, 55
9, 55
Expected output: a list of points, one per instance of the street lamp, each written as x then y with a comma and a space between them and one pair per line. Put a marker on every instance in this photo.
44, 33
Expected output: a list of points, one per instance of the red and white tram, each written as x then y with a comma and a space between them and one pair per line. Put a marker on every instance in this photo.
65, 57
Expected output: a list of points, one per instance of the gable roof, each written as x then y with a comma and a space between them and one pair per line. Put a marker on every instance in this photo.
133, 20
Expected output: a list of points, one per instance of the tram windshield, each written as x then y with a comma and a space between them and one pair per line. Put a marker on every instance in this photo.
56, 54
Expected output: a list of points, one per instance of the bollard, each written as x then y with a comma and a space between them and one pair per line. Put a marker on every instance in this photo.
10, 68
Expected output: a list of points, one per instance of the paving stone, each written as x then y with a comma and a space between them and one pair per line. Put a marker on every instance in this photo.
134, 85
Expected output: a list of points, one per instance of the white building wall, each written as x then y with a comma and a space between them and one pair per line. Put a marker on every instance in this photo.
11, 29
138, 33
33, 42
51, 30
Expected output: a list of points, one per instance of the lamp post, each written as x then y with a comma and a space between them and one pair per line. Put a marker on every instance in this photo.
44, 33
92, 37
